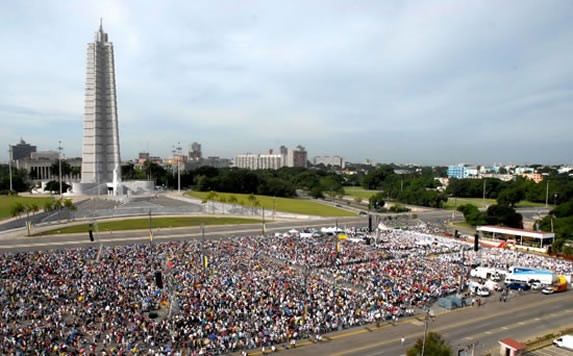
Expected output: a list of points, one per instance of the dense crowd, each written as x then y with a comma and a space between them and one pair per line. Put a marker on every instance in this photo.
250, 291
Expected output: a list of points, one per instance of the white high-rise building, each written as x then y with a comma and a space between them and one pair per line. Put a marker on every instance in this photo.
334, 161
258, 161
101, 164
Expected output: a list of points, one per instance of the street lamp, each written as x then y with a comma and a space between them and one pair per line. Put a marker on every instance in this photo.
547, 193
177, 158
426, 318
60, 164
10, 166
150, 231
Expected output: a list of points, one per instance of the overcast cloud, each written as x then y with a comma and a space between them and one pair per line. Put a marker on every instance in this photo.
431, 82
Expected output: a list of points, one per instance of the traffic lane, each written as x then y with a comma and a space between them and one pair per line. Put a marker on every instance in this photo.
456, 325
34, 243
550, 351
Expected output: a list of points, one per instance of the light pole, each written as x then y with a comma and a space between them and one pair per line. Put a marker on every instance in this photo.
547, 194
60, 164
150, 232
178, 169
425, 330
10, 165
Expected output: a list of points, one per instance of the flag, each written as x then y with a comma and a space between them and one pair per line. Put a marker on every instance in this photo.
338, 247
204, 261
342, 236
151, 236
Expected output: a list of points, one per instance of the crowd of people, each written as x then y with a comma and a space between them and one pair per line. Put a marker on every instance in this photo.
220, 296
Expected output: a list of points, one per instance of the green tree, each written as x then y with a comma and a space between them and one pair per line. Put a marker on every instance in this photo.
69, 204
376, 177
233, 201
252, 200
55, 169
511, 196
211, 197
504, 215
376, 201
223, 201
435, 346
317, 192
472, 215
17, 209
54, 186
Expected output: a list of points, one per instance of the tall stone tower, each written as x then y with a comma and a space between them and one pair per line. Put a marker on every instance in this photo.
101, 165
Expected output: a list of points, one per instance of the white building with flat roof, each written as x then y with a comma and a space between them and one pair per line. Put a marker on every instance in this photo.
334, 161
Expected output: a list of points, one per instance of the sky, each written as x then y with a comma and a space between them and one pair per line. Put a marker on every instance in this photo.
427, 82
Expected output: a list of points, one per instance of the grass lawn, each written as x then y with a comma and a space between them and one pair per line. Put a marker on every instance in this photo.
7, 201
287, 205
480, 203
360, 192
463, 224
143, 223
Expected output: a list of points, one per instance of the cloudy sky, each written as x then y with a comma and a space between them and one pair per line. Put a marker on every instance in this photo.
430, 82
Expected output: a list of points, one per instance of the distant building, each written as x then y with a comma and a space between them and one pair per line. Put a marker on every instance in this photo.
195, 153
45, 156
471, 171
458, 172
536, 177
259, 161
216, 162
143, 156
523, 170
333, 161
22, 150
297, 157
39, 167
564, 169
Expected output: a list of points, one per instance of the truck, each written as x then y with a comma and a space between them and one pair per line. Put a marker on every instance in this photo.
564, 342
559, 286
529, 275
487, 273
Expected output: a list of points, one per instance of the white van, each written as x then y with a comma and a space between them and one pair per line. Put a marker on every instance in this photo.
493, 285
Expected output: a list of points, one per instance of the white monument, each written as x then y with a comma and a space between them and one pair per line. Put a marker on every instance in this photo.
100, 152
101, 163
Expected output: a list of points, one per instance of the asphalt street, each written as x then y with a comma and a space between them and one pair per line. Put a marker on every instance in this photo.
522, 317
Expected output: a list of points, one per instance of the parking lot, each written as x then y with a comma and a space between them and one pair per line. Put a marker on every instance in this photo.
550, 351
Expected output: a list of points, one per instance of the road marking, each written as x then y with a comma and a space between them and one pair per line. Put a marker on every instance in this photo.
452, 326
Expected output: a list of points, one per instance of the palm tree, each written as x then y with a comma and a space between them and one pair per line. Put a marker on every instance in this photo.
211, 196
257, 204
233, 201
69, 204
17, 209
252, 199
223, 201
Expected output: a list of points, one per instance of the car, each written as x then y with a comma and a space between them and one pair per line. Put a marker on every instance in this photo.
362, 212
536, 285
548, 290
518, 286
483, 292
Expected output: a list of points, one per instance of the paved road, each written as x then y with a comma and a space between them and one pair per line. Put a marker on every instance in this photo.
18, 241
522, 317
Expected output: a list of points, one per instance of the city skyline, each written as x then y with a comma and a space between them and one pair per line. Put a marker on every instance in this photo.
432, 83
